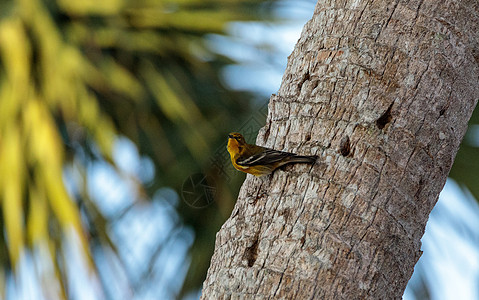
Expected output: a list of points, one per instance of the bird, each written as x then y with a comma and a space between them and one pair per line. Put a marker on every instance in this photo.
260, 161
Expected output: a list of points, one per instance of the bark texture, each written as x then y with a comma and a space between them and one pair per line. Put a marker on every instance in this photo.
382, 92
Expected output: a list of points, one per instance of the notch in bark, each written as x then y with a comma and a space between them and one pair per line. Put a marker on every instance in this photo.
475, 53
420, 188
345, 146
251, 253
443, 109
303, 240
305, 78
266, 134
385, 118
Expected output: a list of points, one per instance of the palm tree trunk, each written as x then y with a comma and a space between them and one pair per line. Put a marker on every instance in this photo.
382, 91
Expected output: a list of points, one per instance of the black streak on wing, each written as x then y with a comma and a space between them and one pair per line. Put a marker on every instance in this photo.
264, 158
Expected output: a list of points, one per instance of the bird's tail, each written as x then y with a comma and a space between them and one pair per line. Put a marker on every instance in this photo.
303, 159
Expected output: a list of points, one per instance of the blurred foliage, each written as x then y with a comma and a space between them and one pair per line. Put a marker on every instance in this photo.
466, 165
75, 76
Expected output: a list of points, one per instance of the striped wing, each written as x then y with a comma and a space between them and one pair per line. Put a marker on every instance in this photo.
267, 157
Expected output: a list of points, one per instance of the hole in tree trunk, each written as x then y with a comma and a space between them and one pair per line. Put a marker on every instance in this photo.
345, 146
385, 118
251, 253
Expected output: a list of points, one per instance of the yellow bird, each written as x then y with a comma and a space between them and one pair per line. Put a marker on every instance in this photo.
258, 160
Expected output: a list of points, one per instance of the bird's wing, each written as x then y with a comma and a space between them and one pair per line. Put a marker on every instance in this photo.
269, 156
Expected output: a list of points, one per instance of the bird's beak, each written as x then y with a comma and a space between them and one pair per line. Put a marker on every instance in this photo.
230, 136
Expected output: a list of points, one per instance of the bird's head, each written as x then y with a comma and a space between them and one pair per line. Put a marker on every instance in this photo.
237, 138
235, 142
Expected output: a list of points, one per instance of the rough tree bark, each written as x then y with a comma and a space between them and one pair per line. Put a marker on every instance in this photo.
382, 91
